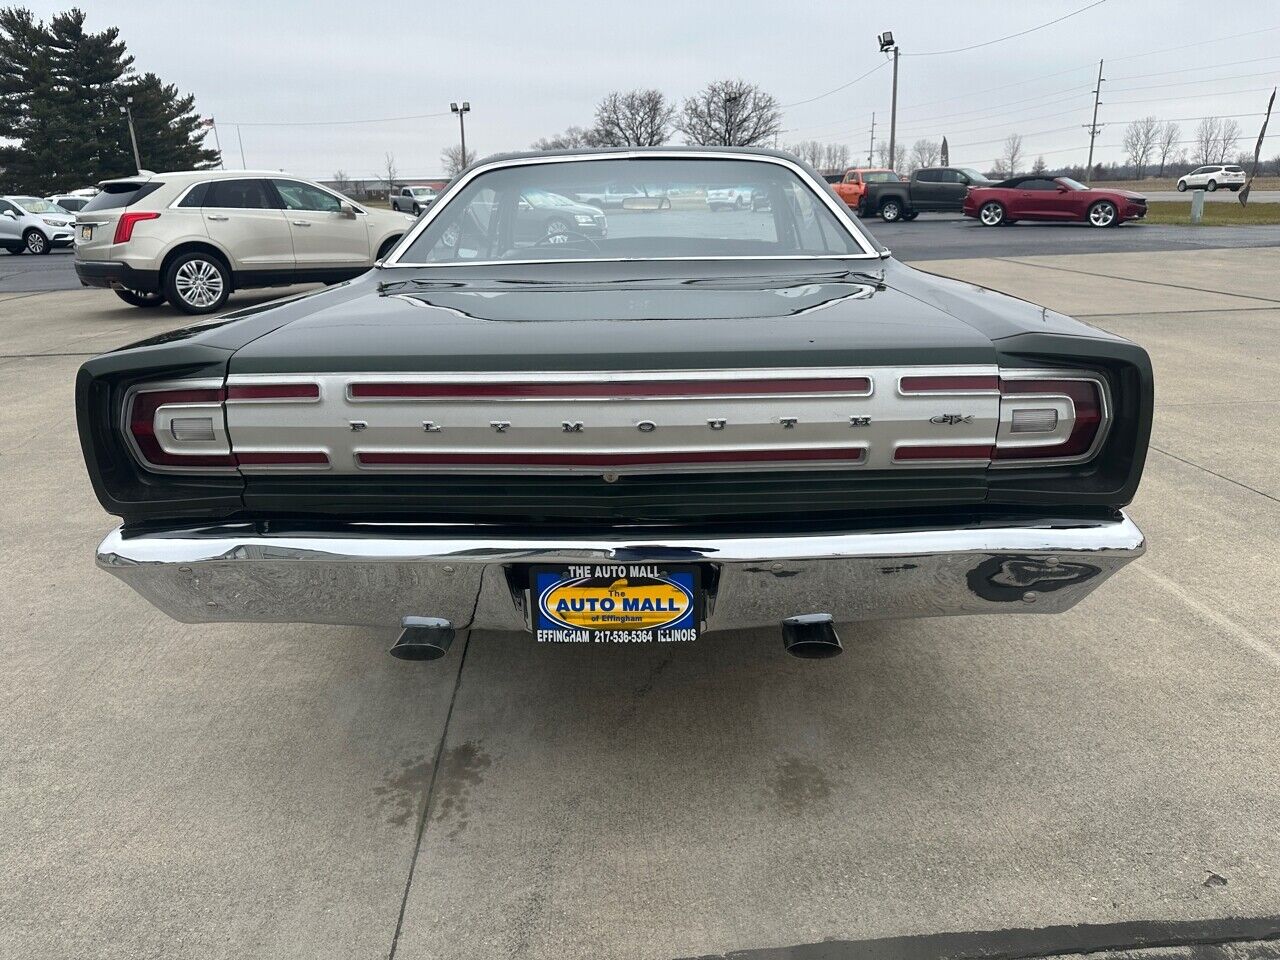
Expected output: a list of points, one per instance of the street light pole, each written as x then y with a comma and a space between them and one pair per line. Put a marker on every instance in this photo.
871, 148
133, 137
462, 111
886, 45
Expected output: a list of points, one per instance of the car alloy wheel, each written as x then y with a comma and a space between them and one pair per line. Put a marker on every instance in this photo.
36, 243
1211, 186
1182, 186
1102, 214
556, 227
416, 210
199, 284
890, 211
991, 214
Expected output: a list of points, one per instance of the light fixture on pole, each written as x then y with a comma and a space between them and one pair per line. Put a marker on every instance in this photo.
133, 137
887, 45
462, 111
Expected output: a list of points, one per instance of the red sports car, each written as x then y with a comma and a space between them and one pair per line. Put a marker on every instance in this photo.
1059, 198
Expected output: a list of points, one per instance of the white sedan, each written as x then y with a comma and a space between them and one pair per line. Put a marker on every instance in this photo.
1212, 176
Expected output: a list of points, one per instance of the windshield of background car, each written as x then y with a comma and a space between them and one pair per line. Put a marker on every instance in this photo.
762, 209
422, 192
974, 175
1072, 184
35, 205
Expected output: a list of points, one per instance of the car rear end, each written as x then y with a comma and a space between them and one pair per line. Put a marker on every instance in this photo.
1232, 175
121, 234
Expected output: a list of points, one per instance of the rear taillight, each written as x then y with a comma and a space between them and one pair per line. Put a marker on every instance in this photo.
1057, 416
125, 225
182, 428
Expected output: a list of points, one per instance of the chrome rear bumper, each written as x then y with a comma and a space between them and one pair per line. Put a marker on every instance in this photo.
376, 575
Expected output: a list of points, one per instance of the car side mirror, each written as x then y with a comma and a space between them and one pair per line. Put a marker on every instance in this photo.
347, 210
10, 214
1062, 188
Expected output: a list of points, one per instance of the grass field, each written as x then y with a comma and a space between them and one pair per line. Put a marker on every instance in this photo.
1215, 214
1170, 184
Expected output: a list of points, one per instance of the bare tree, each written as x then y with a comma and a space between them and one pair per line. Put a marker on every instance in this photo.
730, 113
897, 162
835, 158
1012, 155
1039, 168
1228, 139
571, 139
637, 118
1166, 141
454, 161
389, 170
810, 151
342, 182
1205, 144
1139, 142
924, 153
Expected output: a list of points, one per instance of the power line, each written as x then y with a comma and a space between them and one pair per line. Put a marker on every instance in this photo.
1198, 43
329, 123
1212, 66
1020, 33
843, 86
1187, 83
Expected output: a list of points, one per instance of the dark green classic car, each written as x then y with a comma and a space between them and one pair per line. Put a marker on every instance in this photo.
692, 421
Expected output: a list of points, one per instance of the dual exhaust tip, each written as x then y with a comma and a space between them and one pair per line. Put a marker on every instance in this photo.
808, 637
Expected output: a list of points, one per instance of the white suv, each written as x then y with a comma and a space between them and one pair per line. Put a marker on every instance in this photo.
1213, 176
32, 225
192, 237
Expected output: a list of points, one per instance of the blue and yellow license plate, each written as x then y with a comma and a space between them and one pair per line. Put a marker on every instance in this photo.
615, 603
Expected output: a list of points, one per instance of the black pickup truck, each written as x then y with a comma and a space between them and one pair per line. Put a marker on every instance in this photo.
930, 190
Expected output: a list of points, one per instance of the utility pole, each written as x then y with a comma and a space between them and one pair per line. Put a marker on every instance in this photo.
887, 45
462, 111
871, 148
1093, 127
243, 165
133, 137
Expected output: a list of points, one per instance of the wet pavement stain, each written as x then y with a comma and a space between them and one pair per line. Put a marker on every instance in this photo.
798, 785
401, 790
461, 770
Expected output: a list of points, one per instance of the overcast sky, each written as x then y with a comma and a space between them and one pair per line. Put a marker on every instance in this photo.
531, 69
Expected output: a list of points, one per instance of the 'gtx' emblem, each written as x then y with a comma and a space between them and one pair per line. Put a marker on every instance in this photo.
952, 418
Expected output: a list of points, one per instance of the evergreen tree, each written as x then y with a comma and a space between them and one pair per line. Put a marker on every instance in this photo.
61, 92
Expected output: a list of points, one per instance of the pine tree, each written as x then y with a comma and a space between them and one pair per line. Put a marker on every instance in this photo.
27, 111
168, 127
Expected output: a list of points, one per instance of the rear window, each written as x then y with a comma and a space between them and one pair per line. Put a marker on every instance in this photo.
117, 195
1233, 169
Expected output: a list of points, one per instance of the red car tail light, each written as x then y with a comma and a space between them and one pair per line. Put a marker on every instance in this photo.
1054, 416
187, 413
126, 223
182, 428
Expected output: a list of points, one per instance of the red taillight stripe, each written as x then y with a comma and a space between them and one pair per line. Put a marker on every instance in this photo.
126, 223
975, 451
948, 384
605, 460
282, 457
274, 391
619, 391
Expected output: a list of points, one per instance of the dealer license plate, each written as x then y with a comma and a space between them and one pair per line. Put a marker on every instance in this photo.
615, 603
86, 233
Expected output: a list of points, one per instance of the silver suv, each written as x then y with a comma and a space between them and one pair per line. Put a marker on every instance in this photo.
32, 225
192, 237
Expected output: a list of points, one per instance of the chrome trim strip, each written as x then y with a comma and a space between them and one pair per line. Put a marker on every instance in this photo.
840, 210
375, 574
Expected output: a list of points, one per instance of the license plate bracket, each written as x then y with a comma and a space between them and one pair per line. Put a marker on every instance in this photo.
642, 602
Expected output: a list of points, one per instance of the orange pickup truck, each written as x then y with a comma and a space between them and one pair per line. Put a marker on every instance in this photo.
855, 181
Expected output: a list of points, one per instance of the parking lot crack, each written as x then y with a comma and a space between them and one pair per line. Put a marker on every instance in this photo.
1214, 473
1151, 283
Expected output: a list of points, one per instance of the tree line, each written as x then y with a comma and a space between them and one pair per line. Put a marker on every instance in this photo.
62, 94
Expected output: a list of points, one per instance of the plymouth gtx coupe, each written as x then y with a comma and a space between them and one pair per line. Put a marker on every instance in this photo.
1048, 198
690, 423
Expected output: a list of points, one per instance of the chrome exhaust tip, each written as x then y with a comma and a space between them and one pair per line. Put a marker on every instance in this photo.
423, 638
811, 636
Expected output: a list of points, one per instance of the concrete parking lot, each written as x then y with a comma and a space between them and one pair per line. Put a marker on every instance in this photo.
291, 791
